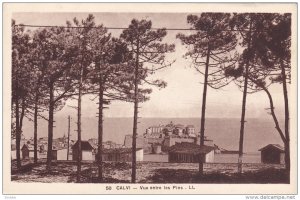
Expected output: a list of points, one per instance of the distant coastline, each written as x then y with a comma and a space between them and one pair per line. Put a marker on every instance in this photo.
224, 131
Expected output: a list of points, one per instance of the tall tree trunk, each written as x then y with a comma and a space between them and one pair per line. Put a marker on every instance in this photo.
135, 116
244, 101
35, 125
241, 143
18, 133
50, 126
286, 121
23, 106
69, 119
79, 126
202, 128
100, 130
22, 113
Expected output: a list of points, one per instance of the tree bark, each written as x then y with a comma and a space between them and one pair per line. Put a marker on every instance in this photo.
135, 116
22, 114
100, 130
69, 119
19, 124
286, 121
244, 101
79, 126
241, 141
202, 128
50, 126
35, 125
18, 133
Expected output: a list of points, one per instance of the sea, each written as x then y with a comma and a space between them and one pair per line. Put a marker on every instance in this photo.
218, 158
223, 131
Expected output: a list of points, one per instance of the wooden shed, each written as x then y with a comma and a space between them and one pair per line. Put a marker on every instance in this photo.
190, 153
273, 154
86, 151
121, 154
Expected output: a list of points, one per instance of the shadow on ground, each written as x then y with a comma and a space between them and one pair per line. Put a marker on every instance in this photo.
269, 175
120, 172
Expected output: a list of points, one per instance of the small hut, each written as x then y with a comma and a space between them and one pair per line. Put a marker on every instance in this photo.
86, 151
121, 154
190, 153
27, 151
273, 154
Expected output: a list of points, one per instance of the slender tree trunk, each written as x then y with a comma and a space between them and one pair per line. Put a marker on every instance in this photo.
241, 142
100, 131
35, 125
79, 127
202, 128
21, 120
22, 114
286, 121
69, 119
50, 126
13, 129
18, 133
274, 116
135, 116
277, 126
23, 106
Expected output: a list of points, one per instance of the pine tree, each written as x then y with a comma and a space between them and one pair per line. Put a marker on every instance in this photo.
245, 23
20, 81
212, 48
269, 60
146, 46
81, 44
56, 61
280, 47
110, 58
39, 99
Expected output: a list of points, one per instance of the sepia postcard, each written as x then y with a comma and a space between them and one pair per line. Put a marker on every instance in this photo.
150, 98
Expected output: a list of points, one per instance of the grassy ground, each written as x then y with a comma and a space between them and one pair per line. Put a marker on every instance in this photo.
151, 172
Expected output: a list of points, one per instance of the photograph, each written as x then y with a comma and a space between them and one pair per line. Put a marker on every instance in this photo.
159, 98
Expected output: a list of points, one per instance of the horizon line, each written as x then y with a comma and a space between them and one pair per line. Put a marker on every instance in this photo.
190, 117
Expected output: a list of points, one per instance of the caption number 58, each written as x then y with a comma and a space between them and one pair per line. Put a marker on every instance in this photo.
108, 188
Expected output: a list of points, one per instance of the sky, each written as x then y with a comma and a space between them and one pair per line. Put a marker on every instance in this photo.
183, 95
182, 98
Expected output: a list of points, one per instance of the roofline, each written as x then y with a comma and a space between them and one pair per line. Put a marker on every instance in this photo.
272, 145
